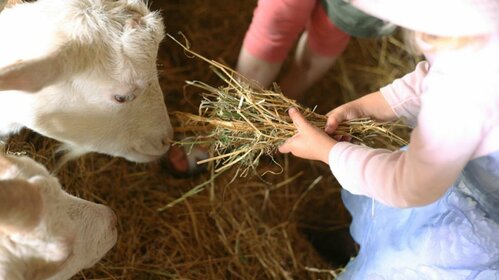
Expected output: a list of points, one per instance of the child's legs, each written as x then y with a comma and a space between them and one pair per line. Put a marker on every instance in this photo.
275, 27
259, 72
316, 52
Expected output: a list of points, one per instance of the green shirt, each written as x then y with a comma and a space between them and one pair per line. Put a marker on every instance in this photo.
355, 22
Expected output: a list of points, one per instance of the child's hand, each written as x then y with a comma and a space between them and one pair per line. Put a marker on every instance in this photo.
372, 105
310, 142
340, 114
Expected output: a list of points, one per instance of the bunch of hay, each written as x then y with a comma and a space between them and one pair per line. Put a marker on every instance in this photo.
241, 122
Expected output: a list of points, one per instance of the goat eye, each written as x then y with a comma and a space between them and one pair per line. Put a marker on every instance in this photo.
123, 98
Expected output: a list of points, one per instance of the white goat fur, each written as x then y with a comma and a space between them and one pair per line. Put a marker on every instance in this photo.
46, 233
83, 72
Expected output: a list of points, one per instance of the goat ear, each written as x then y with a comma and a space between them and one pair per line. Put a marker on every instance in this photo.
20, 206
135, 18
33, 74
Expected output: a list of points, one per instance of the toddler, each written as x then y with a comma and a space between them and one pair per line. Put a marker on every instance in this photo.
429, 211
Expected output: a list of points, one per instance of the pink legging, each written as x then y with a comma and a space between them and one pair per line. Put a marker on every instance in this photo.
277, 24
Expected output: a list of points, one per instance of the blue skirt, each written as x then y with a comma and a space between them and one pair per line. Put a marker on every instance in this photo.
456, 237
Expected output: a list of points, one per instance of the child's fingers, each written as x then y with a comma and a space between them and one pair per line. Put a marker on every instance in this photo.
334, 117
286, 147
337, 116
298, 120
331, 124
342, 138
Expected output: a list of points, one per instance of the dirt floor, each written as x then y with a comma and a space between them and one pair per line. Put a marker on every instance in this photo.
284, 226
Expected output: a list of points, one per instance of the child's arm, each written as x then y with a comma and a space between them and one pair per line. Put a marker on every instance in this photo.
451, 130
312, 143
372, 105
399, 99
438, 151
416, 177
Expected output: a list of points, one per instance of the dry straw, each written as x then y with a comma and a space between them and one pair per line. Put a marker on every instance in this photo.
241, 122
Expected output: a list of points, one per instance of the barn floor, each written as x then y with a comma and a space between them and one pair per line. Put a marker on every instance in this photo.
284, 226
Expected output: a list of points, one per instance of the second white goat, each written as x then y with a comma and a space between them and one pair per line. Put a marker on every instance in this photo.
46, 233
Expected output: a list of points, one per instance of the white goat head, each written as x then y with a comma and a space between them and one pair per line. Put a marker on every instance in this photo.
46, 233
84, 73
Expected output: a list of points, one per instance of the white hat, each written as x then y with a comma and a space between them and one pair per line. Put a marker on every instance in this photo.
437, 17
